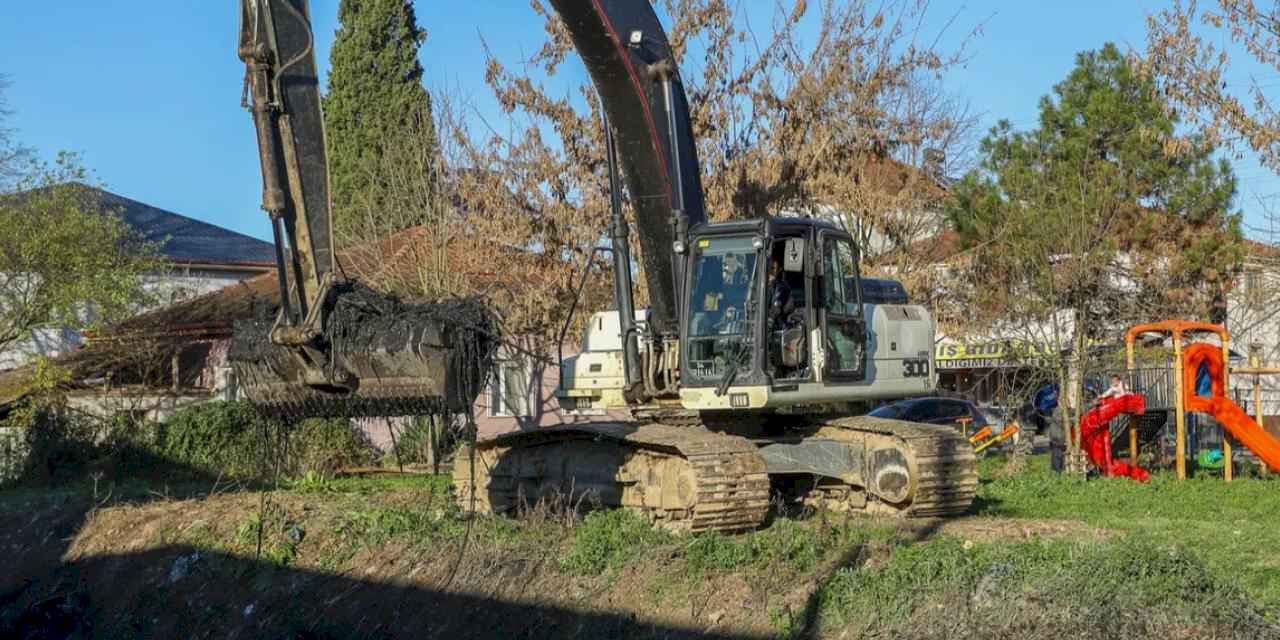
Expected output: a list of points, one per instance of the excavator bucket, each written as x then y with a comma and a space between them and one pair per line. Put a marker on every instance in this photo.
395, 359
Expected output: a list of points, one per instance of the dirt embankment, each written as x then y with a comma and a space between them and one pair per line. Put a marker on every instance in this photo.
399, 561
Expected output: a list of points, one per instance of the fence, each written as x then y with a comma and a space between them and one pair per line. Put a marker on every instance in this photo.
1154, 383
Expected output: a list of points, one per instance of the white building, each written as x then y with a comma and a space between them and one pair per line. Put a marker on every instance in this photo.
199, 258
1253, 317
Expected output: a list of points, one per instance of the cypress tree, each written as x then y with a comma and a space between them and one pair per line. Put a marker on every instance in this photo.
375, 99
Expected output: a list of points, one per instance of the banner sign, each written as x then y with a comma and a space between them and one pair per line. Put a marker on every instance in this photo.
988, 355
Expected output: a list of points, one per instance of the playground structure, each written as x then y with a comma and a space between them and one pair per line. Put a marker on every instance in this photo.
985, 437
1095, 435
1188, 361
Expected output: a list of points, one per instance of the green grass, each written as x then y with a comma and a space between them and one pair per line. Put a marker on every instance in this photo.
1232, 527
1088, 584
370, 485
607, 540
797, 546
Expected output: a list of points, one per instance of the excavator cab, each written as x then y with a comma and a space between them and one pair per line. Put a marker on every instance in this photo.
775, 316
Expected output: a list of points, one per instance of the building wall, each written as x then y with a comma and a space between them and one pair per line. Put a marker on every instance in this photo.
1253, 317
151, 406
183, 282
540, 406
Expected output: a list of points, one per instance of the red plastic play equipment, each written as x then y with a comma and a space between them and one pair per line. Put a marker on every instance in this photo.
1095, 435
1227, 413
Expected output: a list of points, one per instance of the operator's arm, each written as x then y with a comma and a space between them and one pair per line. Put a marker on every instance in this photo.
781, 304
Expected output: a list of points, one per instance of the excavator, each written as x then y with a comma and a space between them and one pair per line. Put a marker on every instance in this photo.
735, 396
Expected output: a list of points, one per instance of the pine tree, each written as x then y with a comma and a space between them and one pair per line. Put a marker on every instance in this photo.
375, 101
1106, 215
1107, 171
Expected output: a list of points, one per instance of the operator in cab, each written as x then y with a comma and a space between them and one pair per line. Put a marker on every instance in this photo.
780, 302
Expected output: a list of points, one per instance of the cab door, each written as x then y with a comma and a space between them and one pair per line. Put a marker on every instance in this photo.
842, 324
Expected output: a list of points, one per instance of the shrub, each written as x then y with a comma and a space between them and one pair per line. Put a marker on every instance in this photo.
56, 445
425, 440
218, 437
326, 446
233, 439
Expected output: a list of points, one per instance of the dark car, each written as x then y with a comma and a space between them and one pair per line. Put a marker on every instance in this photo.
937, 411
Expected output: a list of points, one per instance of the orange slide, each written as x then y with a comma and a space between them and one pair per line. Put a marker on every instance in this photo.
1229, 414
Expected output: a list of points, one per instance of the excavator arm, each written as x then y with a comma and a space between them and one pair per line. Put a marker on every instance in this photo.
276, 45
323, 353
334, 347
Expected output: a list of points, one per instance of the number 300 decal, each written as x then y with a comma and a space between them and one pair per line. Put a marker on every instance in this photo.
915, 368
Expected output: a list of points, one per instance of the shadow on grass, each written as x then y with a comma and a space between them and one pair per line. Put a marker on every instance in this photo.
42, 512
182, 591
186, 591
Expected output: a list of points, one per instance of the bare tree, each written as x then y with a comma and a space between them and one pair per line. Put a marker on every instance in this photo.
786, 119
437, 224
1191, 70
1190, 50
15, 158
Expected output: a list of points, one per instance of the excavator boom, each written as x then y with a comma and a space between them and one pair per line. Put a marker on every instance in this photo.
281, 92
625, 49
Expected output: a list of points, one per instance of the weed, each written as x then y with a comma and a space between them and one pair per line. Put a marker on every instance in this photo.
249, 530
277, 548
716, 551
607, 540
784, 622
438, 485
313, 482
377, 525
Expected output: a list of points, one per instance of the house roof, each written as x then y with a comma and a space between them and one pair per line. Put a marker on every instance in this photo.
185, 240
1261, 250
396, 261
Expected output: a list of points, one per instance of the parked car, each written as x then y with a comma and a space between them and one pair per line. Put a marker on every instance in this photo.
939, 411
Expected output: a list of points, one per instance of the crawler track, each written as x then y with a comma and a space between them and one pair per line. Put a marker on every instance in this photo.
942, 463
680, 478
687, 478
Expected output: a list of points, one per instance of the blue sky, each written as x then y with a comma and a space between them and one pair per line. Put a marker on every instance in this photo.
149, 90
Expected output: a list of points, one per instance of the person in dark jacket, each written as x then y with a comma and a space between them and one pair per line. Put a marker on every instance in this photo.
780, 302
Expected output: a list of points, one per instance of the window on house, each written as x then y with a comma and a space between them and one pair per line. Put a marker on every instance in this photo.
509, 392
1253, 283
